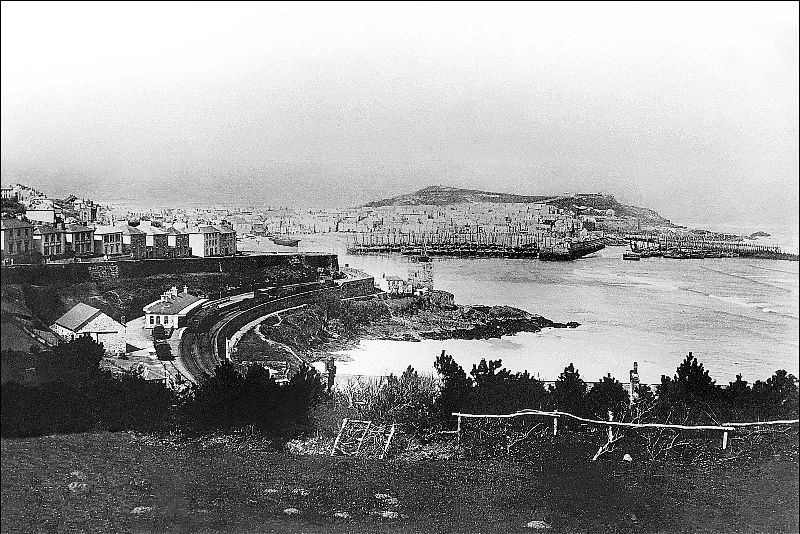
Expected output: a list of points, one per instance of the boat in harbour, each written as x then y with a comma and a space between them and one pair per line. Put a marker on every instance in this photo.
631, 256
284, 241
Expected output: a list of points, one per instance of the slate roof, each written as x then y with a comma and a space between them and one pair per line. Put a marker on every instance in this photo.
393, 278
205, 229
78, 316
72, 228
104, 230
14, 223
173, 305
41, 230
130, 230
151, 230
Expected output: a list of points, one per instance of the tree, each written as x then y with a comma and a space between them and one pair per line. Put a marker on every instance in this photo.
569, 392
607, 396
456, 387
76, 361
694, 380
778, 397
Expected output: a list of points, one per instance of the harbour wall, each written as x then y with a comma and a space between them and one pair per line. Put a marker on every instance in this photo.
105, 271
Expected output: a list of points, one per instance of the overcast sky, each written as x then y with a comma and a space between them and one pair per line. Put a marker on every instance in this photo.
689, 109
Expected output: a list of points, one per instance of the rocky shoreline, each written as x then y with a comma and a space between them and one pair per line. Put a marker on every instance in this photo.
314, 336
482, 322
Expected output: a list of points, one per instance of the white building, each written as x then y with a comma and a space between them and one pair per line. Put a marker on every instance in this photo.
205, 241
85, 320
171, 309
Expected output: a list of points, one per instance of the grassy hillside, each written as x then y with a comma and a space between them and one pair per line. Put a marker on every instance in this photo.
98, 482
440, 195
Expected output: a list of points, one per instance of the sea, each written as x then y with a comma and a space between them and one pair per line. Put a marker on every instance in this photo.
738, 316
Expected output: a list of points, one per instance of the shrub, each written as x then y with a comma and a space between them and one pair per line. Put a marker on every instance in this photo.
407, 400
229, 400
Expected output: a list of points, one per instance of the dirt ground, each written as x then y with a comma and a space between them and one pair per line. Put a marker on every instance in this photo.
127, 482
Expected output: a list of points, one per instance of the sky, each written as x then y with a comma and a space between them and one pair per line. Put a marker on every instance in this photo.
690, 109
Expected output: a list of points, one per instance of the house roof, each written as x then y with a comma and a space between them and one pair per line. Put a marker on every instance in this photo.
392, 278
14, 223
151, 230
225, 230
41, 230
103, 230
78, 316
205, 229
172, 305
130, 230
72, 228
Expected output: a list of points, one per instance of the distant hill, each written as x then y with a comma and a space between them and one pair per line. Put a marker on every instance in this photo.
438, 195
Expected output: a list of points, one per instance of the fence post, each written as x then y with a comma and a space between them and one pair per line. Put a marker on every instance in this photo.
338, 436
555, 426
458, 431
388, 441
724, 440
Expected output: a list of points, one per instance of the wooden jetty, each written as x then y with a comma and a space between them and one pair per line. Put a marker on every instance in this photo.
458, 244
699, 247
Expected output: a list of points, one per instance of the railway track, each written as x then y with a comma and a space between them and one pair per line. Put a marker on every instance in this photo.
203, 345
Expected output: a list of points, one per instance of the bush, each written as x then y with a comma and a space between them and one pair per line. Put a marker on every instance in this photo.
229, 400
407, 400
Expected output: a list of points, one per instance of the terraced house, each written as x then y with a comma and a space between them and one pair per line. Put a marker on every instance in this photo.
227, 240
204, 241
155, 240
108, 240
16, 237
134, 241
79, 239
49, 240
178, 243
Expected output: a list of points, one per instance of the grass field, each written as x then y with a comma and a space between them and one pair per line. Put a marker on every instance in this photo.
244, 484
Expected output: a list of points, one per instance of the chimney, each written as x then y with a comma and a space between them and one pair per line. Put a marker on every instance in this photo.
122, 320
185, 288
173, 291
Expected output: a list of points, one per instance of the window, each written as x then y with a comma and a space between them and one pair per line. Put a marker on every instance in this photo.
152, 319
158, 319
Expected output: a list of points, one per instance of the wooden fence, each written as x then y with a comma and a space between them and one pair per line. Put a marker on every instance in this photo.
725, 428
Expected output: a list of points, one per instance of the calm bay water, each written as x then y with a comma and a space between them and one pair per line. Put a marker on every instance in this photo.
738, 316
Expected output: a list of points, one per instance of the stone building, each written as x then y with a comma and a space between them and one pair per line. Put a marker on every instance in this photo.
16, 238
85, 320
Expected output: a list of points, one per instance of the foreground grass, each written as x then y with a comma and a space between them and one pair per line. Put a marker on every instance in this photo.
244, 484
